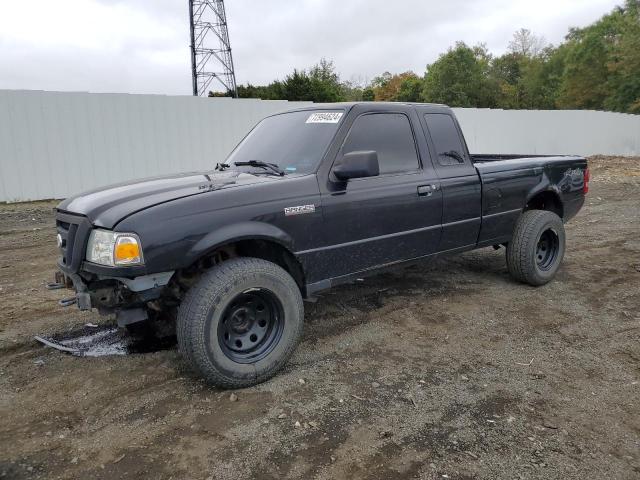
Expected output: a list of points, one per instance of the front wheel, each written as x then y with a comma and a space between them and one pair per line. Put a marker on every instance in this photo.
536, 250
241, 322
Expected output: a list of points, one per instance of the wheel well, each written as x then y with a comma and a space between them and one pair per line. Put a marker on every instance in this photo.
547, 200
257, 248
273, 252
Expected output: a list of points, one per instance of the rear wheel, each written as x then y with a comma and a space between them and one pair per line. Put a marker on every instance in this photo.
537, 247
241, 322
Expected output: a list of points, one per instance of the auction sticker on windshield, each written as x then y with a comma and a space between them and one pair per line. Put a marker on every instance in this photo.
324, 117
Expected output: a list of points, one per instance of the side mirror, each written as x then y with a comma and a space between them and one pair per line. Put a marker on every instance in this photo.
357, 165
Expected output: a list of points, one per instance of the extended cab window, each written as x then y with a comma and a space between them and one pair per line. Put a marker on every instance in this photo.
390, 135
446, 139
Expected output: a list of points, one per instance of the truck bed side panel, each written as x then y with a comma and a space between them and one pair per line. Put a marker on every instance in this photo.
510, 182
504, 195
568, 181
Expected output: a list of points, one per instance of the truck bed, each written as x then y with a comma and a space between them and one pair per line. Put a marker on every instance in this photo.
490, 157
489, 163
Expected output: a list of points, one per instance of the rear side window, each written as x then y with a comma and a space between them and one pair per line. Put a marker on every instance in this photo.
390, 135
445, 138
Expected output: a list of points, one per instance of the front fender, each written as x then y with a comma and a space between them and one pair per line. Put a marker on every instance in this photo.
240, 231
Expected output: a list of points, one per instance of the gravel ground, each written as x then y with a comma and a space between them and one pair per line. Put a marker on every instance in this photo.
444, 370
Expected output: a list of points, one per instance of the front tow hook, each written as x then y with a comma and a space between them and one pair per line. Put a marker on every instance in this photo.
67, 302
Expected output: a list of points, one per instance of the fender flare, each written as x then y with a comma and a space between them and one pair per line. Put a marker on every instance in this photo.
543, 187
250, 230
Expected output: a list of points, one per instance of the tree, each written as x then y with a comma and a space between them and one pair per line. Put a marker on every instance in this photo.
273, 91
506, 72
603, 63
526, 44
460, 78
410, 88
325, 82
368, 94
320, 84
353, 90
403, 87
529, 82
624, 63
542, 77
585, 74
297, 86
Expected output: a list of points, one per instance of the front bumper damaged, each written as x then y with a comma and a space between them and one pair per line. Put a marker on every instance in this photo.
110, 294
82, 298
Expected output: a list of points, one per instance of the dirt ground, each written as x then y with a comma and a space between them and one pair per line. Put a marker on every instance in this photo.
444, 370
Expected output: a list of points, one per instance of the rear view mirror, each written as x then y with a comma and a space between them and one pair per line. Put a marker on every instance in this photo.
357, 165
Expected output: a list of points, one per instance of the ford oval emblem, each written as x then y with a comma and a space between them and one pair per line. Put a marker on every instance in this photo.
59, 240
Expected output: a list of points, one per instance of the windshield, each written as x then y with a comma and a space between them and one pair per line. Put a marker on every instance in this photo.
294, 141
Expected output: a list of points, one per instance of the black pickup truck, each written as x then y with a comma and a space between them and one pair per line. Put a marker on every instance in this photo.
309, 199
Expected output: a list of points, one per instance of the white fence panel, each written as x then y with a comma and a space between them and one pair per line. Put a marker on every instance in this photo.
54, 144
566, 132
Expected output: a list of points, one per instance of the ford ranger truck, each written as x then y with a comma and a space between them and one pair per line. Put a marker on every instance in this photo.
309, 199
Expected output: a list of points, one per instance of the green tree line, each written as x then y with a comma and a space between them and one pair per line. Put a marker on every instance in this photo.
596, 67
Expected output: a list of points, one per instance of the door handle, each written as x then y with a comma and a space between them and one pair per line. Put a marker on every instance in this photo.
427, 190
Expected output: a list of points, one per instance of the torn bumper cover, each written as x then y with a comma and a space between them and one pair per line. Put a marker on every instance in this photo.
110, 293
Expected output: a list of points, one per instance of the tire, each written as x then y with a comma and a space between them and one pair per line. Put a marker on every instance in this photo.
241, 322
536, 250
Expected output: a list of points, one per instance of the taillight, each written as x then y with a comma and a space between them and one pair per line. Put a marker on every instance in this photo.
587, 177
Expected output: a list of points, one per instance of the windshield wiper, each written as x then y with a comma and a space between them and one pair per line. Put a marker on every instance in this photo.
267, 166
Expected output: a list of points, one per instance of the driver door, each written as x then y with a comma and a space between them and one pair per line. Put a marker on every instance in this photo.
388, 218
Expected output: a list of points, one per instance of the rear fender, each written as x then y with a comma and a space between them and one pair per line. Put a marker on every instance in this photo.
544, 186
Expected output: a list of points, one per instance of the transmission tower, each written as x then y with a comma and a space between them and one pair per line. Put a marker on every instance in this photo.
210, 47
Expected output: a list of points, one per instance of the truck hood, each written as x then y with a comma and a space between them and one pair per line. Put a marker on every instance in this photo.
106, 206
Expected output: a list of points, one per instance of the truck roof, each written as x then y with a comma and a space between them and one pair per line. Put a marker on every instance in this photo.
381, 106
317, 106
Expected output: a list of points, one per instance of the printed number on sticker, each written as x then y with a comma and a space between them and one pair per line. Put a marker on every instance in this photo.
324, 117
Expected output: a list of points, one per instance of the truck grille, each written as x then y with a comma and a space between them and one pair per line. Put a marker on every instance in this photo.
67, 232
74, 232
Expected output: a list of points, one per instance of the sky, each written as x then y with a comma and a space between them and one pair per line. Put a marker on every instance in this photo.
142, 46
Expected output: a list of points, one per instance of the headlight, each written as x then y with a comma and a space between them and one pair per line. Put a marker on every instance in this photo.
114, 248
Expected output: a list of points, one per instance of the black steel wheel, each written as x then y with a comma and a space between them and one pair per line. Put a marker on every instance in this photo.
251, 325
547, 249
241, 322
537, 246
